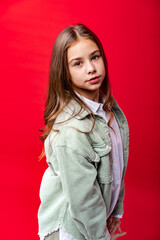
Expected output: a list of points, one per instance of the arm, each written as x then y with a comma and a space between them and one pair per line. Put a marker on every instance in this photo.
86, 204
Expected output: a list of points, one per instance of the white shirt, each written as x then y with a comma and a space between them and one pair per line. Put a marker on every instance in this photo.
117, 156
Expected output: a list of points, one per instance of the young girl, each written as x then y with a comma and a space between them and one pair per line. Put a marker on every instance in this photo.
86, 144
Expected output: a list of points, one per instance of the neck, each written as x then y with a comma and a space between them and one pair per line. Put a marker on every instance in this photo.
93, 96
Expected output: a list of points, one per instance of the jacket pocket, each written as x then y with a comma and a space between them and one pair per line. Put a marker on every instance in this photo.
102, 157
104, 170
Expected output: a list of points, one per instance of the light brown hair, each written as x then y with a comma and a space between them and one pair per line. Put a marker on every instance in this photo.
60, 91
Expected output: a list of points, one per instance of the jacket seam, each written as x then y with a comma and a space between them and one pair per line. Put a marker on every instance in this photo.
75, 150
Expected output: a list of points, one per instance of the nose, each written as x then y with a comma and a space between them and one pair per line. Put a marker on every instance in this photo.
90, 67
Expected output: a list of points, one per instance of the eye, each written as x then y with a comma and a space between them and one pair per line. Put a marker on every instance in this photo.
95, 57
77, 63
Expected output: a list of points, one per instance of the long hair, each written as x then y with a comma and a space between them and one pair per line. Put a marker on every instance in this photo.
60, 91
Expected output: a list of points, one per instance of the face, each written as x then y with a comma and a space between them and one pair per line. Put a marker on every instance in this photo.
86, 67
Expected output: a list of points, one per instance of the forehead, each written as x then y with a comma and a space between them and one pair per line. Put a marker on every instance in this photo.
81, 47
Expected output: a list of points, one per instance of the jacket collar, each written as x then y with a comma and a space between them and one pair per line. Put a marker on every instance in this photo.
74, 109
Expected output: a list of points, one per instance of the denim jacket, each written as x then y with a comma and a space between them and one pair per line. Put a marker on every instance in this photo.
75, 191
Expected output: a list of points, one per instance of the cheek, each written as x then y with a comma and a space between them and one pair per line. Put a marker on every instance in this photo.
76, 73
103, 69
71, 73
74, 76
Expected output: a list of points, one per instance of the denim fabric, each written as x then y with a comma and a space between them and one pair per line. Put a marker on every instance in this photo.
76, 187
53, 236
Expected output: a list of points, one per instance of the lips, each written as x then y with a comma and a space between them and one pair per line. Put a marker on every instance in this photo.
94, 78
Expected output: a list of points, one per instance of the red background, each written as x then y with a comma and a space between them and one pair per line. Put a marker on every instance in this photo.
130, 33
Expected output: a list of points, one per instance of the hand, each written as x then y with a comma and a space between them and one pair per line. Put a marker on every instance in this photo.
113, 224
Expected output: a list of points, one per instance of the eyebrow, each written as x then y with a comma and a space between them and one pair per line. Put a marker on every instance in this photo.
78, 58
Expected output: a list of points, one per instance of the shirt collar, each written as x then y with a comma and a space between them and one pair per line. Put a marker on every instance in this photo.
94, 106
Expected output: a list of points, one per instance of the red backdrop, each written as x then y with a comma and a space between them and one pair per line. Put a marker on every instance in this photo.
130, 33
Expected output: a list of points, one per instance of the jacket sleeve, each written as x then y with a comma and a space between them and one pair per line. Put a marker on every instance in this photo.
118, 210
81, 190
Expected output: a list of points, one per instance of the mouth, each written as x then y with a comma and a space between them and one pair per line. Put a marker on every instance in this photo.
94, 79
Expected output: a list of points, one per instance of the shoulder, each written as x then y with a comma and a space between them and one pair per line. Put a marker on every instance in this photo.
73, 134
76, 136
74, 116
70, 139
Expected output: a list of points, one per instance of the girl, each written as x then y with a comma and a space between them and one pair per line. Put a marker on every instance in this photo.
86, 144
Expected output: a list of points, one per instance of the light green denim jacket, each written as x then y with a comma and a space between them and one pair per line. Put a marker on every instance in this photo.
75, 191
